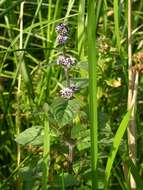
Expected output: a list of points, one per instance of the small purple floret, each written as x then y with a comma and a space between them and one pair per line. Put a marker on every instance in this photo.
62, 28
62, 39
66, 61
68, 92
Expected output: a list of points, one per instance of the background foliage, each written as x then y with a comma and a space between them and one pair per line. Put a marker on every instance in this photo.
45, 139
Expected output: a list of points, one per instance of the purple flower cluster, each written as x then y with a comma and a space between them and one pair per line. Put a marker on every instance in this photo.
66, 61
68, 92
62, 28
62, 31
61, 39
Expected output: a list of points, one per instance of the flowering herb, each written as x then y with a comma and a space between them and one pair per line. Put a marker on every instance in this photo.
62, 28
66, 61
68, 92
62, 39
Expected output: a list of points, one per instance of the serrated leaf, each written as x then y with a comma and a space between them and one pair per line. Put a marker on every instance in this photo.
64, 111
82, 134
75, 131
84, 144
31, 136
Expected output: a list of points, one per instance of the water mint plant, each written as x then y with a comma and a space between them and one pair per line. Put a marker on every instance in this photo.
62, 39
62, 33
65, 61
66, 93
51, 136
62, 28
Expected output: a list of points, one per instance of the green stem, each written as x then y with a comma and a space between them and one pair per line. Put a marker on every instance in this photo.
67, 77
92, 61
116, 22
81, 28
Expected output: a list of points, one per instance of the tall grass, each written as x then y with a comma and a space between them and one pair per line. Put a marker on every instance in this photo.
115, 146
81, 29
92, 62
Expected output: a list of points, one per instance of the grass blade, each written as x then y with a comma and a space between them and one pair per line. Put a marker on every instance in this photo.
98, 11
116, 22
81, 28
11, 7
69, 8
135, 173
116, 142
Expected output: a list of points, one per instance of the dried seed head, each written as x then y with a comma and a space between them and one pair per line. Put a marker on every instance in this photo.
138, 58
66, 61
62, 28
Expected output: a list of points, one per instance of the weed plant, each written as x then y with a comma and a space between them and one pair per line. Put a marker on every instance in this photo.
71, 94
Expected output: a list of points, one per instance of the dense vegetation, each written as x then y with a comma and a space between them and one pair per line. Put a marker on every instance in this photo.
71, 94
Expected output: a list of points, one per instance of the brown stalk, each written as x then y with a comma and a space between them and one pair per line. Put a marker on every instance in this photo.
18, 95
132, 94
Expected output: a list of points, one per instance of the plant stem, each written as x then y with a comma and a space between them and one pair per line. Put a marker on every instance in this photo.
67, 77
49, 19
132, 123
46, 153
81, 28
92, 62
116, 21
18, 119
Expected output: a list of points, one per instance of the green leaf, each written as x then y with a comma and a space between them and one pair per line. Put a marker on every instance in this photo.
115, 146
82, 134
135, 173
76, 131
69, 180
26, 173
31, 136
64, 111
